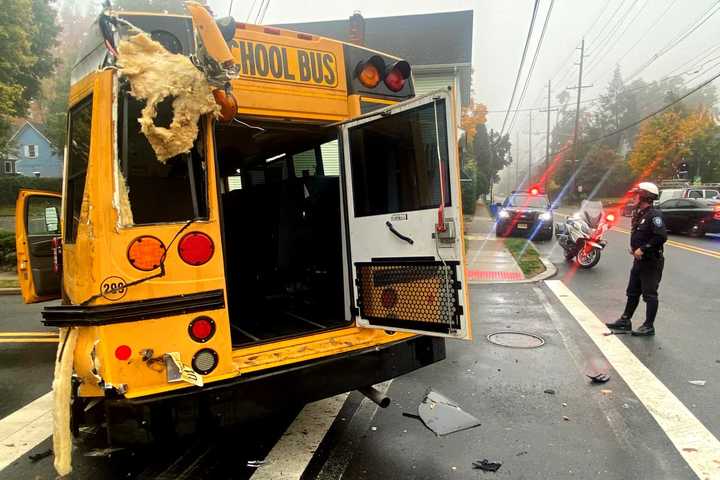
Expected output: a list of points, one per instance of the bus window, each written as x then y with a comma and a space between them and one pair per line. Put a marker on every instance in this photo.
394, 162
80, 119
330, 158
304, 163
159, 192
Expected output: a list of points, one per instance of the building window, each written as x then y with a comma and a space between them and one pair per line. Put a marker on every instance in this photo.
8, 166
31, 151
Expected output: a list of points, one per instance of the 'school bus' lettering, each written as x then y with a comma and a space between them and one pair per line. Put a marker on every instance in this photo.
286, 63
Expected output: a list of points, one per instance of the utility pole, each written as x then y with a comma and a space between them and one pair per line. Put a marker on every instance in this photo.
579, 87
530, 133
517, 158
547, 138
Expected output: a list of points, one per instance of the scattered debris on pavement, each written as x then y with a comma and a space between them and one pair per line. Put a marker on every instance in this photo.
607, 334
411, 415
39, 456
699, 383
549, 391
606, 391
520, 454
256, 463
442, 415
103, 452
566, 418
599, 377
487, 466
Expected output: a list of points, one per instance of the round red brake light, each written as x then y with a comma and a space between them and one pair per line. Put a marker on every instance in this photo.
123, 352
534, 191
394, 80
610, 217
201, 329
196, 248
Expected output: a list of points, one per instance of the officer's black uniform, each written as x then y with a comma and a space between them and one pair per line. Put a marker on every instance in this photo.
649, 235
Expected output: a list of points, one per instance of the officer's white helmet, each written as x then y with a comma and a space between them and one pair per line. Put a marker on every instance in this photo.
648, 190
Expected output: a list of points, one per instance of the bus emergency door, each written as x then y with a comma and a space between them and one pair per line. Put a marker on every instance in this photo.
402, 190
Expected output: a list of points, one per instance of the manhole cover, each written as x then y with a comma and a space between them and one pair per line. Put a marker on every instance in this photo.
516, 339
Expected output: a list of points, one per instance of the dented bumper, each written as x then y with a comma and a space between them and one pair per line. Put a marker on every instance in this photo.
259, 394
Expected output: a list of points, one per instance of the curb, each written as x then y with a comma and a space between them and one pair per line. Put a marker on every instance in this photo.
9, 291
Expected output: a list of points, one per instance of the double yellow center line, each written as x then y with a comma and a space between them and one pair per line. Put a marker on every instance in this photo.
684, 246
28, 337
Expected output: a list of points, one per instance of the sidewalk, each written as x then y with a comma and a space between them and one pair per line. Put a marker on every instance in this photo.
488, 261
5, 279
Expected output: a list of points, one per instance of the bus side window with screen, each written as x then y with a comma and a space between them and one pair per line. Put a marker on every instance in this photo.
160, 192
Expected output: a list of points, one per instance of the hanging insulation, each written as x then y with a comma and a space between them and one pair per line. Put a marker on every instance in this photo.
62, 386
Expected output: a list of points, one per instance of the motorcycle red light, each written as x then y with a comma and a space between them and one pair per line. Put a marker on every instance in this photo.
196, 248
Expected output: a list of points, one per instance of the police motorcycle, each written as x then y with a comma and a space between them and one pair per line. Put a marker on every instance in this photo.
581, 235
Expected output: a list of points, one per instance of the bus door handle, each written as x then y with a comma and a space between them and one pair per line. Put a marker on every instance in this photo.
398, 234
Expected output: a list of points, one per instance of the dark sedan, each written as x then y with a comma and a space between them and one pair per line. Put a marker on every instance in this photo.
692, 216
525, 213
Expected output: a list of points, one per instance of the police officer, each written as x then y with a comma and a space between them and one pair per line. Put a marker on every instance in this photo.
646, 245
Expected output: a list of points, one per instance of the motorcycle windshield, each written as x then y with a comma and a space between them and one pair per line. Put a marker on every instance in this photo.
592, 212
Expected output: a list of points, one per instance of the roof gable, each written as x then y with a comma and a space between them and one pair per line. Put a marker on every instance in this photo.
425, 39
28, 125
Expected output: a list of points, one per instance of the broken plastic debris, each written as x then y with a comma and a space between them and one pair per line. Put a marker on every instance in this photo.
549, 391
606, 391
373, 428
39, 456
699, 383
599, 377
256, 463
487, 466
103, 452
443, 416
156, 74
566, 418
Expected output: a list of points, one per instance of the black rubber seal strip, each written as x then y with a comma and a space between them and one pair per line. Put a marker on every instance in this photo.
88, 316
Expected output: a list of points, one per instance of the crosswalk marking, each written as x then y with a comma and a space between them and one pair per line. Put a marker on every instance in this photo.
24, 429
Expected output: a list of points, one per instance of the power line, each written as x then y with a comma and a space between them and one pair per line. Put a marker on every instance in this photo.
262, 17
522, 62
707, 14
650, 28
609, 21
532, 65
606, 46
252, 7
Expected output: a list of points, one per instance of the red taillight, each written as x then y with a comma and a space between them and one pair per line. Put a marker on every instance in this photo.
196, 248
389, 298
610, 217
395, 79
716, 215
123, 352
202, 329
534, 191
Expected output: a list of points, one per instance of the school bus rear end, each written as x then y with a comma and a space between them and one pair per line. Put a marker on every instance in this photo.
262, 267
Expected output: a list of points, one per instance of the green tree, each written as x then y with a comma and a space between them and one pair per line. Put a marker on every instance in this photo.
28, 29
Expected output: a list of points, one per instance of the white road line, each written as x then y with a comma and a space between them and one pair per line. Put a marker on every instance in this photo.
291, 455
24, 429
695, 443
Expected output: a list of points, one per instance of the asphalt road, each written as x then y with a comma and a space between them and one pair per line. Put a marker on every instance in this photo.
579, 431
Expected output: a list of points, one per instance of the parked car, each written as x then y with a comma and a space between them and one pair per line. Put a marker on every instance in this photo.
690, 192
526, 213
691, 215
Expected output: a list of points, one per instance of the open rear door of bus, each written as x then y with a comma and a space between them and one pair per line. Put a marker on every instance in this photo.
37, 225
403, 200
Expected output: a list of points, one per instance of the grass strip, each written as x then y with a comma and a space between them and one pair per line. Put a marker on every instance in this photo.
9, 283
527, 258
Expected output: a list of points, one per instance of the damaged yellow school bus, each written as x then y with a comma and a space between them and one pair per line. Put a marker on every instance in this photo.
308, 245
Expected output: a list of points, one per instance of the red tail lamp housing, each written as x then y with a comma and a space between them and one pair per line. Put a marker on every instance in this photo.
146, 253
371, 71
196, 248
201, 329
716, 212
123, 352
398, 74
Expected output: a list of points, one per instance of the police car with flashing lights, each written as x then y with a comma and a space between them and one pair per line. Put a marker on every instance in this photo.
526, 213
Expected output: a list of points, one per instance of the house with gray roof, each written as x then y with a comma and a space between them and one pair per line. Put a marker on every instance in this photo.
31, 154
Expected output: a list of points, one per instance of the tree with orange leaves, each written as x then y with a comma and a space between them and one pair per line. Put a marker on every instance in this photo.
473, 115
672, 137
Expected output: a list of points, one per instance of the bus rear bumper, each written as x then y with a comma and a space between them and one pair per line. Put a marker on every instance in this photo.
257, 395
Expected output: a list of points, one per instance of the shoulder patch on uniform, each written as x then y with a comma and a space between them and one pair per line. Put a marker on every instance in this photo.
658, 221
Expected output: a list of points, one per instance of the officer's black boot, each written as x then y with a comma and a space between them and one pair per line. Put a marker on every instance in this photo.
623, 323
647, 329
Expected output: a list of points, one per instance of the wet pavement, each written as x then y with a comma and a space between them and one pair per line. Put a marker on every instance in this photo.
540, 415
